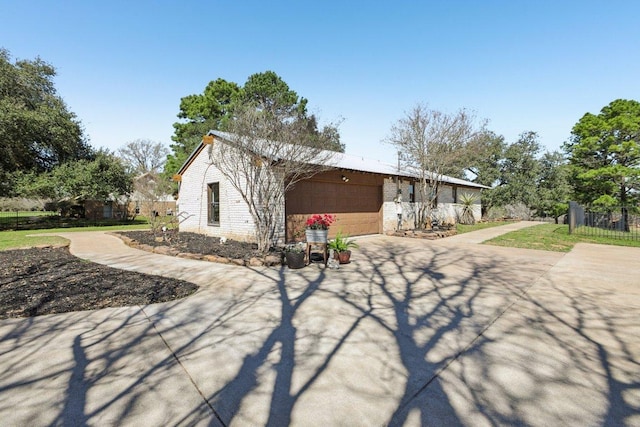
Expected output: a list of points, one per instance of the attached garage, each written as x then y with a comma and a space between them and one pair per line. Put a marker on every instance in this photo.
354, 197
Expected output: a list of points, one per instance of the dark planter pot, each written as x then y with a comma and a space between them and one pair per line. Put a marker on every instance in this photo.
343, 257
294, 259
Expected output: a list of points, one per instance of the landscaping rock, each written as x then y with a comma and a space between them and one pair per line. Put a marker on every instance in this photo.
270, 260
256, 262
189, 255
216, 258
163, 250
145, 248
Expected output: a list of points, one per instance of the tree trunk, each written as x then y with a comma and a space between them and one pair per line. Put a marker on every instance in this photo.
624, 210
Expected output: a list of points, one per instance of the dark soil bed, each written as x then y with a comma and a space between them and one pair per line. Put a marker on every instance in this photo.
199, 244
50, 280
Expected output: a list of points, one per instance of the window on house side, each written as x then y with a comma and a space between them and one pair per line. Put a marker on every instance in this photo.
213, 205
454, 194
412, 192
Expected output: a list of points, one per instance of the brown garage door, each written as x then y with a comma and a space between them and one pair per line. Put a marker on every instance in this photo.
357, 206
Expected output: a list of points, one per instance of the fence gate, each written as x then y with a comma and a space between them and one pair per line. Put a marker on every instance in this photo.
619, 222
576, 216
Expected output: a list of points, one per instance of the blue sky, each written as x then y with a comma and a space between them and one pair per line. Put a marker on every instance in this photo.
523, 65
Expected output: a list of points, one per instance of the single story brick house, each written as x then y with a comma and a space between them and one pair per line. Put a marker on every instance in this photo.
360, 192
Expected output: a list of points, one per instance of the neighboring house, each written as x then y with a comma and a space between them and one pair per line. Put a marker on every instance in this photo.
360, 192
78, 207
149, 196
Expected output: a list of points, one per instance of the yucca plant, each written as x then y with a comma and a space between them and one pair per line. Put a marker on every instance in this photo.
465, 215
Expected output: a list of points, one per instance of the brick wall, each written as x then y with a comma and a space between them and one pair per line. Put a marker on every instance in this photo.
445, 212
235, 220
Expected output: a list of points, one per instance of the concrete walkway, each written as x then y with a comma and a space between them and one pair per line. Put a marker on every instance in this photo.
489, 233
412, 332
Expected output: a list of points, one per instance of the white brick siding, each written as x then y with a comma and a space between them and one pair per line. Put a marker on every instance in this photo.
446, 210
235, 220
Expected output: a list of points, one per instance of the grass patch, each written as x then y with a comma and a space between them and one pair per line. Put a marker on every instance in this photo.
552, 237
463, 228
22, 239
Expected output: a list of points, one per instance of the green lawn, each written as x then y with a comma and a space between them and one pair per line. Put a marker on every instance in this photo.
552, 237
22, 238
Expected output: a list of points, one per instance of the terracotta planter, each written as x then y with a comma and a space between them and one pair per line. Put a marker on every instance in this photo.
343, 257
294, 259
316, 236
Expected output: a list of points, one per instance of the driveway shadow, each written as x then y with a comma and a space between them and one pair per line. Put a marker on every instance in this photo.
409, 333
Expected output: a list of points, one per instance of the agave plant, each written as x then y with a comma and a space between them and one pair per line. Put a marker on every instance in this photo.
466, 214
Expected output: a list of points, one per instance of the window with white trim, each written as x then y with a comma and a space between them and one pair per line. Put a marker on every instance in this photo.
213, 203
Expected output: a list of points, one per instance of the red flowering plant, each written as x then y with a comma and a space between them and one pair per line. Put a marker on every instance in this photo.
320, 222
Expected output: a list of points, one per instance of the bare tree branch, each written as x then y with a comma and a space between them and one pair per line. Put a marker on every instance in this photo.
430, 143
143, 155
267, 151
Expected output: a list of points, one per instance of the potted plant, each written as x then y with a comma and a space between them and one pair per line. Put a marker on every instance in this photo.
317, 227
341, 246
294, 255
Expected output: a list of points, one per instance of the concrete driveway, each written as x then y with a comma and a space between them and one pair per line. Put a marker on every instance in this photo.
412, 332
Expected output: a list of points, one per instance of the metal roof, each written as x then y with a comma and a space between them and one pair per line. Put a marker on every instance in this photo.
351, 162
362, 164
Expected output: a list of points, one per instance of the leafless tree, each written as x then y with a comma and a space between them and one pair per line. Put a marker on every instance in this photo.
150, 192
430, 143
144, 156
267, 150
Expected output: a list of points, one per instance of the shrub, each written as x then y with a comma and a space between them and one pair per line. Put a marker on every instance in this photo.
519, 211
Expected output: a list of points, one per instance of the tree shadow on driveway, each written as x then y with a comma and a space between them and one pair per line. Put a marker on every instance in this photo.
409, 333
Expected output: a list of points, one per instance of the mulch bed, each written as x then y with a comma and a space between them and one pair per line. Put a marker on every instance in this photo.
50, 280
199, 246
196, 243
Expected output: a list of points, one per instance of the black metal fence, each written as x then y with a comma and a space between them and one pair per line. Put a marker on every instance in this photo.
37, 220
622, 222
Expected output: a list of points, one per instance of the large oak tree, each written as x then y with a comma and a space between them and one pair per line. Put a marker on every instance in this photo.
143, 156
100, 178
37, 131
